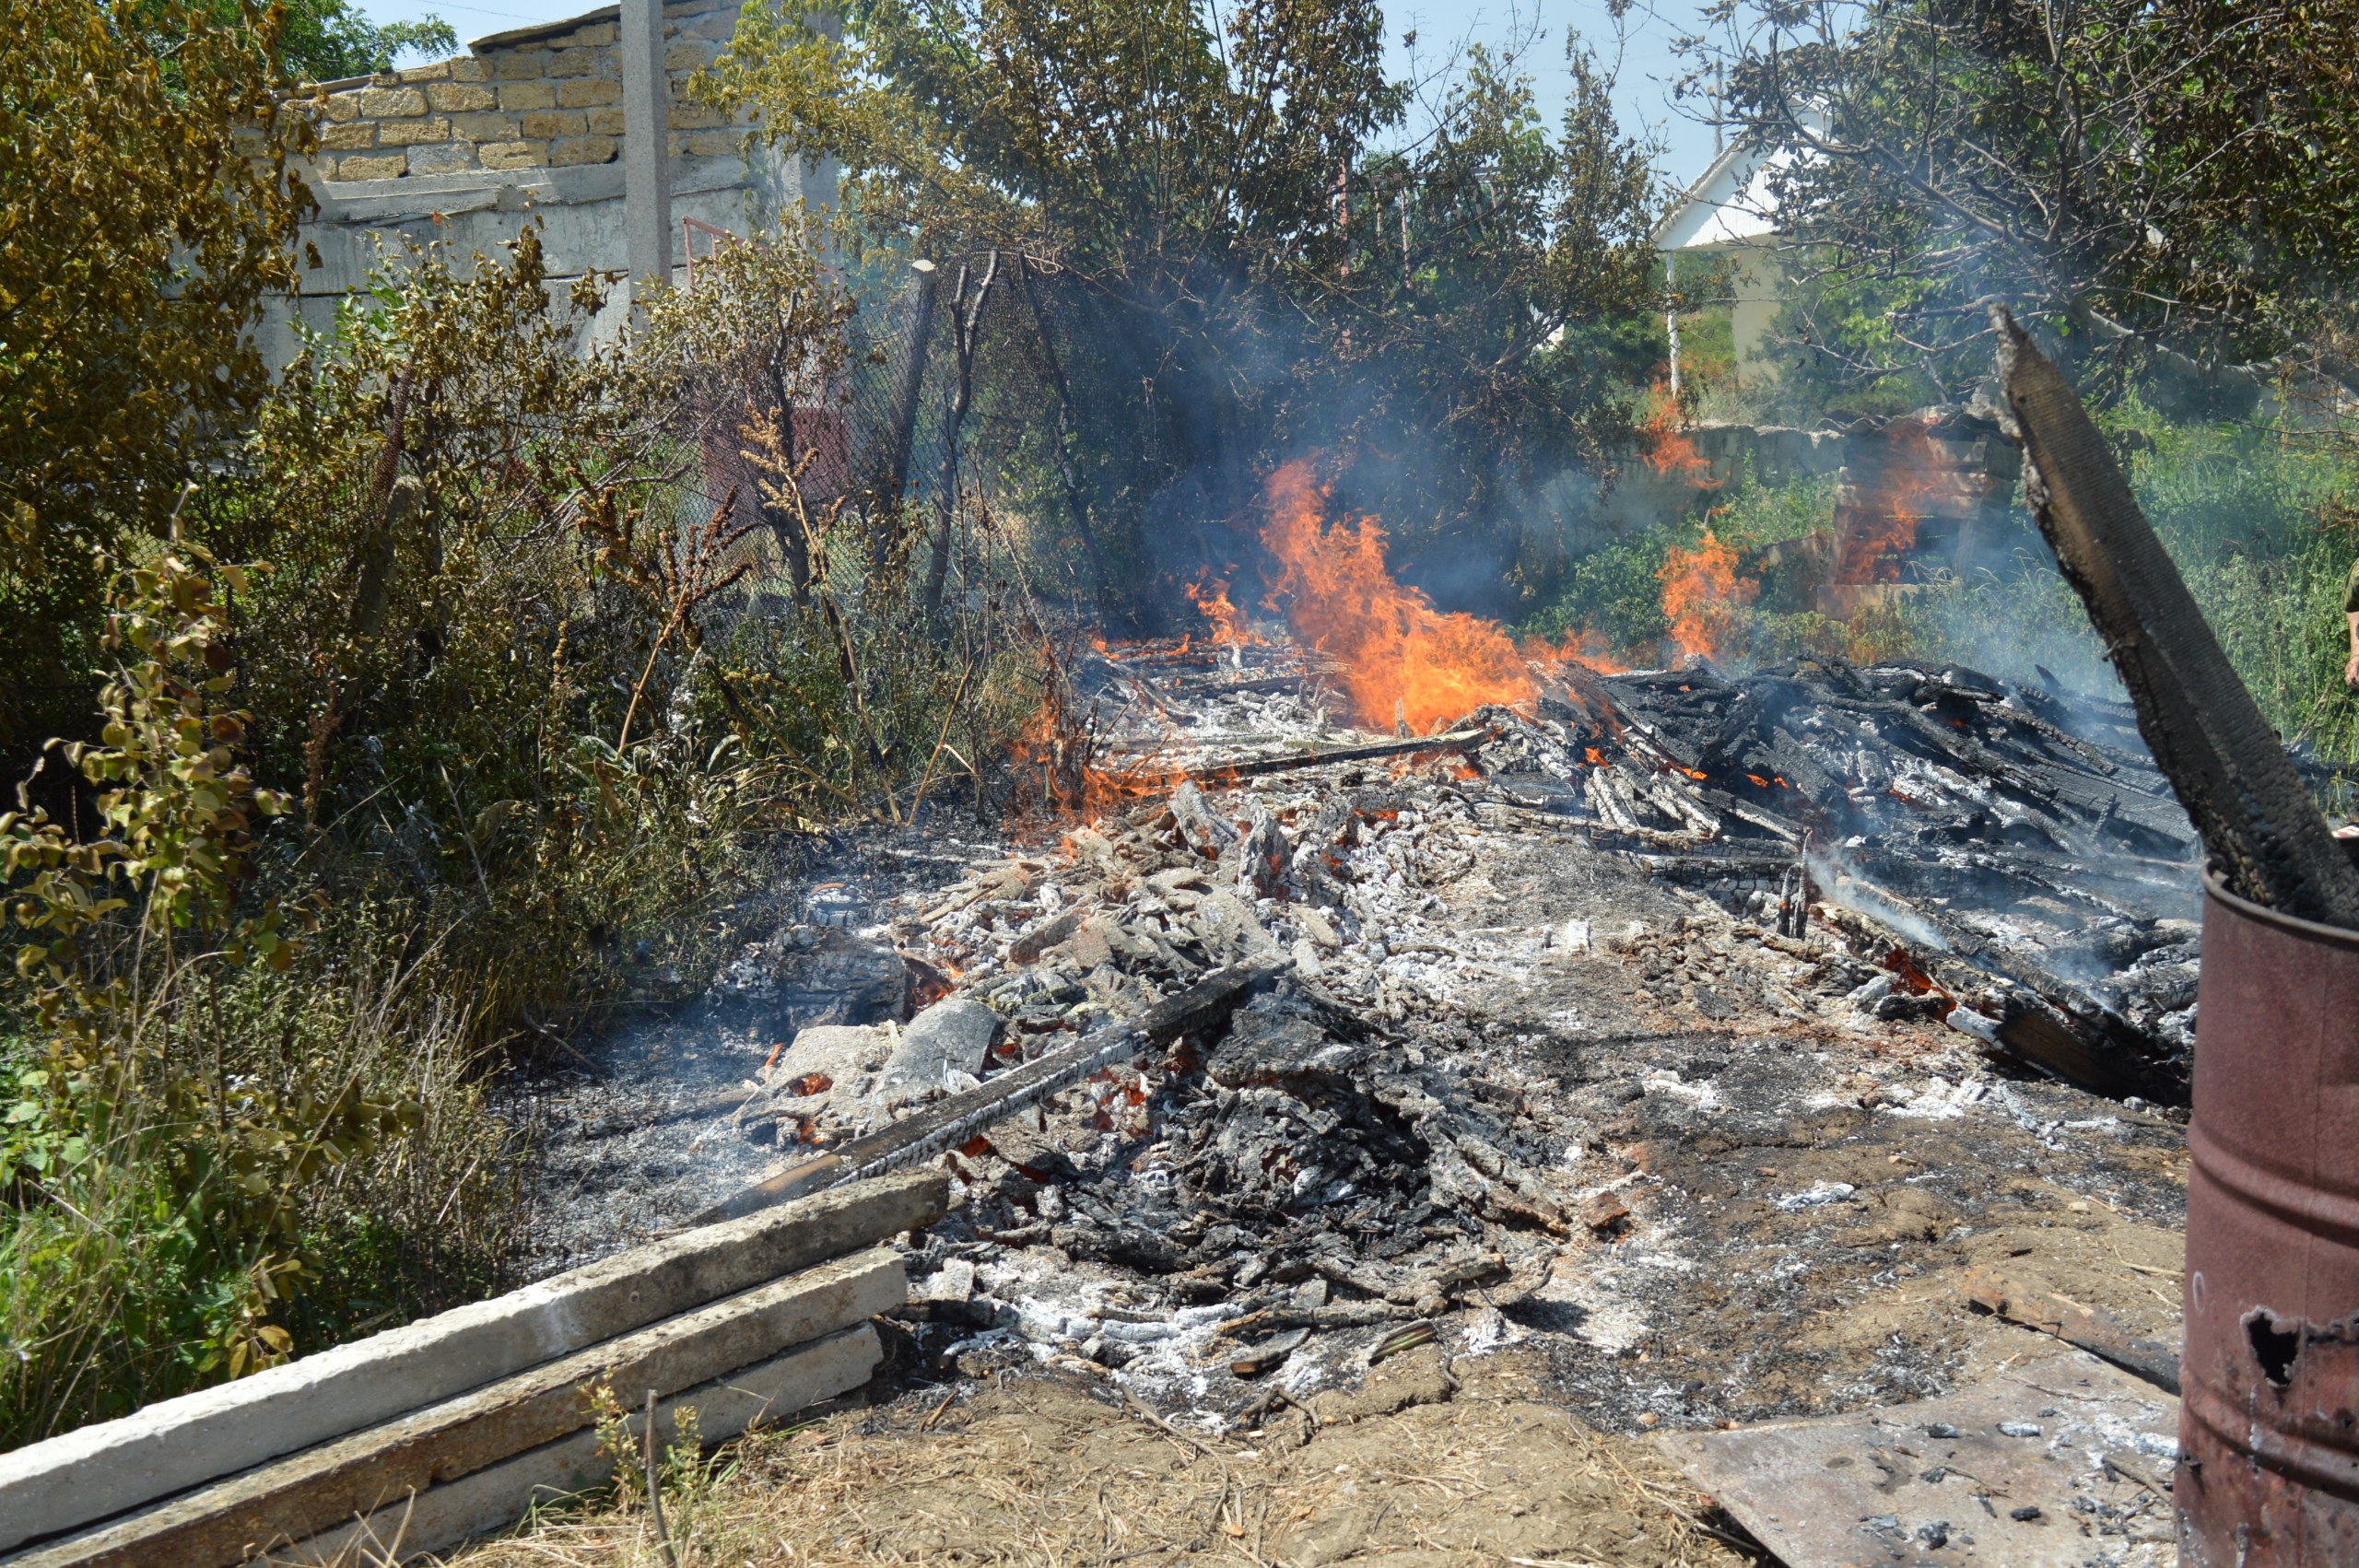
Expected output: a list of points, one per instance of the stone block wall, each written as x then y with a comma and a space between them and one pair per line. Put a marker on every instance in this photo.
543, 98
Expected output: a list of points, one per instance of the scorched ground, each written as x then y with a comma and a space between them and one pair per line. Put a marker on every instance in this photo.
1644, 1123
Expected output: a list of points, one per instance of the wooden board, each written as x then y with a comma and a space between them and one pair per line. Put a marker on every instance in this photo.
2228, 767
2085, 1445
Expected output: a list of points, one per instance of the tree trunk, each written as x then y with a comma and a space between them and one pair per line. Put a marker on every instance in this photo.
889, 478
966, 322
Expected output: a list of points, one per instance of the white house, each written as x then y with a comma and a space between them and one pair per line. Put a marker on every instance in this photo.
1730, 214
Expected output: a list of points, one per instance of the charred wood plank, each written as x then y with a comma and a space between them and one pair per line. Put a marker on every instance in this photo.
948, 1123
1456, 740
2030, 1301
2047, 1025
2228, 766
2038, 1036
1255, 684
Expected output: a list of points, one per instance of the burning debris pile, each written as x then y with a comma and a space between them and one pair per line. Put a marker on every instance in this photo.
1722, 1046
1658, 1022
1360, 1141
2020, 847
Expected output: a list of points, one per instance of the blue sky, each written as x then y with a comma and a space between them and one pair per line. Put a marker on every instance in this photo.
1643, 100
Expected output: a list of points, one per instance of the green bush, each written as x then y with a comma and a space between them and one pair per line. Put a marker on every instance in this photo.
1611, 600
531, 699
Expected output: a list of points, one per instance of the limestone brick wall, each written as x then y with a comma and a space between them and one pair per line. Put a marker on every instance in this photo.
543, 98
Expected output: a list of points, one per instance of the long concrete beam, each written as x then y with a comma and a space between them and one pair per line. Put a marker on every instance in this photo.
497, 1498
314, 1491
98, 1471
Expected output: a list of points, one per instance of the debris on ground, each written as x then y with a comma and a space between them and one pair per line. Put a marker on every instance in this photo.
1051, 1469
1681, 1042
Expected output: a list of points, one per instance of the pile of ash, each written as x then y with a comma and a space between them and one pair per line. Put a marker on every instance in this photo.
1524, 977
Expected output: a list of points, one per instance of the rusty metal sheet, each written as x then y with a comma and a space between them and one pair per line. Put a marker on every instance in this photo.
2049, 1465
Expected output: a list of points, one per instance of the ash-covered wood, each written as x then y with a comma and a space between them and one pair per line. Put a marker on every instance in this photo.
2045, 878
2228, 766
950, 1122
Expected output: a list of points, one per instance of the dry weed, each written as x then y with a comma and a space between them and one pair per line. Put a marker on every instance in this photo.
1051, 1472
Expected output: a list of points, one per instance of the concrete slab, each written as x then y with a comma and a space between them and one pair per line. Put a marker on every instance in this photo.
100, 1470
497, 1498
221, 1525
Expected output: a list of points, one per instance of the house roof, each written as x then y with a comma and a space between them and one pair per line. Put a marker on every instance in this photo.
540, 31
1729, 202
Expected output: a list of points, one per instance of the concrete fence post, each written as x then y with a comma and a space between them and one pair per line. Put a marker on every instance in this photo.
647, 171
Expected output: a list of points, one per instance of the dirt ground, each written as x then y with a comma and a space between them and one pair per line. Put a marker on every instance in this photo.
1435, 1462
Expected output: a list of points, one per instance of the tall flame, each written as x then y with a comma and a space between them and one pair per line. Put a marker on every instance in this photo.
1402, 659
1702, 596
1878, 527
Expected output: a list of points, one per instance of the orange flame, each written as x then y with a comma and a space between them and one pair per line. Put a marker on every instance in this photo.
1587, 646
1401, 657
1879, 527
1211, 598
1670, 450
1702, 596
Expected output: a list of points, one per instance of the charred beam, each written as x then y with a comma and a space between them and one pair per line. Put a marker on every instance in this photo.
2230, 770
1456, 740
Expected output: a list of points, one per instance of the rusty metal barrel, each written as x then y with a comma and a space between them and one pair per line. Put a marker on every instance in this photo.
2267, 1473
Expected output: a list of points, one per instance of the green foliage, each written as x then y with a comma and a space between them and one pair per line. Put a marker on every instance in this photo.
1218, 267
2168, 184
1494, 311
536, 696
1614, 596
146, 207
323, 41
2259, 521
202, 1172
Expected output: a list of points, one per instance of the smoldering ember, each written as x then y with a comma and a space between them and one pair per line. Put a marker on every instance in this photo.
1059, 781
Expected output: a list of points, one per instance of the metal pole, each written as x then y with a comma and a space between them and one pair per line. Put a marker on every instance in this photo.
1671, 317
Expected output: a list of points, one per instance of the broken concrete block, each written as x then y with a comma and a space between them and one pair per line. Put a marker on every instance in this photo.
1091, 947
841, 1054
806, 975
953, 1281
953, 1036
1047, 934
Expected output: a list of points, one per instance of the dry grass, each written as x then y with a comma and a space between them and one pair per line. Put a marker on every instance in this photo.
1053, 1471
